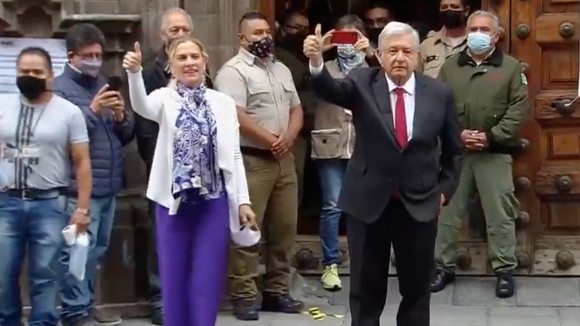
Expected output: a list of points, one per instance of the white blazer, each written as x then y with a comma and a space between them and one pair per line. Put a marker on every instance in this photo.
162, 106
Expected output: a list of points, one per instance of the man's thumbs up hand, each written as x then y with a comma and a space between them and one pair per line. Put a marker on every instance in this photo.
132, 60
318, 31
313, 47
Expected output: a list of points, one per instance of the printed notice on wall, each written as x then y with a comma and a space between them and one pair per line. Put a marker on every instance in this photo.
11, 47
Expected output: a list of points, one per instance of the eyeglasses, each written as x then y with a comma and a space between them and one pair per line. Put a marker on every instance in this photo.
89, 56
298, 28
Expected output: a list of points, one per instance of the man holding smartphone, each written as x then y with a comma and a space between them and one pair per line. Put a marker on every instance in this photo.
110, 128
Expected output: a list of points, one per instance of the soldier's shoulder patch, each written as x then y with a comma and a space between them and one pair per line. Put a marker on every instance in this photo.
431, 58
523, 79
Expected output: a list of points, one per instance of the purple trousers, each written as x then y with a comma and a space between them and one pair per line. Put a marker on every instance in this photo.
192, 249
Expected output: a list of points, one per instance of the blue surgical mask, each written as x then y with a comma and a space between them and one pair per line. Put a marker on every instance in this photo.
478, 42
91, 67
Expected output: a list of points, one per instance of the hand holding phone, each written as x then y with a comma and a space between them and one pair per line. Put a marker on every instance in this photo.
114, 83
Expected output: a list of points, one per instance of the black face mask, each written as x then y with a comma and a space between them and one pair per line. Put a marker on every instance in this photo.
31, 87
262, 48
374, 33
452, 18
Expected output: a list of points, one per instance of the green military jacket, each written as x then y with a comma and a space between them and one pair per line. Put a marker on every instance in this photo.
301, 75
491, 97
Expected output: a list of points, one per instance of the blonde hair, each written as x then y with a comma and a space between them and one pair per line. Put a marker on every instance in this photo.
173, 44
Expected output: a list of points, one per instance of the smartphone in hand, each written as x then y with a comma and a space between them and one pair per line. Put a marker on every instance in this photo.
114, 83
344, 37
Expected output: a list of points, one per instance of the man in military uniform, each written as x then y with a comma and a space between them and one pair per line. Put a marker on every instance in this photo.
289, 38
492, 104
270, 118
451, 39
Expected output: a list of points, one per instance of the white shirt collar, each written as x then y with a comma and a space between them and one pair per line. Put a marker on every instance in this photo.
408, 86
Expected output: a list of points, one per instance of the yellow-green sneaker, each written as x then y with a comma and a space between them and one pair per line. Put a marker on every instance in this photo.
330, 280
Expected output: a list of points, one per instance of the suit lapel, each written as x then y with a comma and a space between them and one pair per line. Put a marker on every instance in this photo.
421, 105
383, 99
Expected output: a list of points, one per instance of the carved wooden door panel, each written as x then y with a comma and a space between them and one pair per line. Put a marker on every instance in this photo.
545, 35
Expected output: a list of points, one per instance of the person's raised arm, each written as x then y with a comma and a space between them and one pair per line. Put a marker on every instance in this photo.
148, 106
231, 82
335, 91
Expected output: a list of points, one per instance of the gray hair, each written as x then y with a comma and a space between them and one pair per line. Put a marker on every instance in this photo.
172, 11
398, 29
485, 13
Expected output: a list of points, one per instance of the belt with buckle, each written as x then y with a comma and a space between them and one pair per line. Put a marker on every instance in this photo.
31, 194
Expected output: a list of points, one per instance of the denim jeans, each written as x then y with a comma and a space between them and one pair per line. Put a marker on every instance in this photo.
36, 224
78, 297
331, 172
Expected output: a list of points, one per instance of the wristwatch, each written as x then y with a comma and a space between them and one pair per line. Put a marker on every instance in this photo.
83, 211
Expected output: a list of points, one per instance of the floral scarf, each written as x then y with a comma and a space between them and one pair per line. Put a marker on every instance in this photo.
349, 58
195, 164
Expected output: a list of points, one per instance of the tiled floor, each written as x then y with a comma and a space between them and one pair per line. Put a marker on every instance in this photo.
469, 302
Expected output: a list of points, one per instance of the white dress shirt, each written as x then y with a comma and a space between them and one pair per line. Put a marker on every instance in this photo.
409, 95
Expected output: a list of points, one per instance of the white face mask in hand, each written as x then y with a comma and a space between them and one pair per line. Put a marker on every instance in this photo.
246, 236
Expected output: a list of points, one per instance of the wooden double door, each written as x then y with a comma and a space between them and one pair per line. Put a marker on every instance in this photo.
543, 34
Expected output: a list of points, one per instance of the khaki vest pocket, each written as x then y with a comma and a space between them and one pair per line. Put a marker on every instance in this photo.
325, 143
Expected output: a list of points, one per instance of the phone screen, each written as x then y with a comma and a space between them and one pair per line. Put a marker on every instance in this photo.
344, 37
114, 83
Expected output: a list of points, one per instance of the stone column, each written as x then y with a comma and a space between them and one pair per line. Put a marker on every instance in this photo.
216, 25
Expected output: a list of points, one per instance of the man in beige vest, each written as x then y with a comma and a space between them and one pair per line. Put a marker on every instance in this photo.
270, 117
332, 146
449, 40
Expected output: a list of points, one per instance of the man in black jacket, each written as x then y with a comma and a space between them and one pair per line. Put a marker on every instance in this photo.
405, 166
176, 23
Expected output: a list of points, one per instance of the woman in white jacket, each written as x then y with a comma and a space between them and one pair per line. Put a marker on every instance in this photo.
197, 181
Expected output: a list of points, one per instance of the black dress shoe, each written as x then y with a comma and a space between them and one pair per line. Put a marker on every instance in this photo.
441, 278
505, 286
246, 310
157, 317
281, 303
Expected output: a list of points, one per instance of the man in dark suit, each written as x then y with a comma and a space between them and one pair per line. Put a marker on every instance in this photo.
405, 166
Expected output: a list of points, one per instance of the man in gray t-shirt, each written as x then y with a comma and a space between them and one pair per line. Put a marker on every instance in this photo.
40, 134
37, 139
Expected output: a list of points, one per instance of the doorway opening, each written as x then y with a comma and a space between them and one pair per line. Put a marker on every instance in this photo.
421, 14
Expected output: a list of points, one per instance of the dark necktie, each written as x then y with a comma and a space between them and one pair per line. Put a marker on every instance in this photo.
400, 118
400, 125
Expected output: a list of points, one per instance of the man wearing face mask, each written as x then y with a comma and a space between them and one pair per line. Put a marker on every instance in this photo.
43, 141
289, 38
110, 129
376, 17
270, 117
492, 104
451, 39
